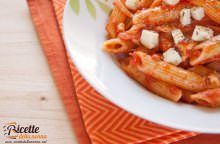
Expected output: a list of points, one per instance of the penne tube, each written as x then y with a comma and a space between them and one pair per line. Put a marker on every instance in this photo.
165, 42
140, 4
123, 8
214, 65
145, 4
158, 87
209, 98
188, 29
165, 28
117, 45
156, 3
163, 89
215, 28
211, 7
121, 27
186, 97
185, 48
212, 75
134, 33
205, 52
157, 15
197, 2
172, 74
201, 70
145, 50
116, 18
204, 71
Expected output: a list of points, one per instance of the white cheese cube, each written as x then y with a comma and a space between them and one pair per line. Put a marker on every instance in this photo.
132, 4
197, 13
185, 17
172, 56
202, 33
149, 39
177, 36
171, 2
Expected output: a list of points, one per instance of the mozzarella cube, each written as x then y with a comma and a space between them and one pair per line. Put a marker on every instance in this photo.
132, 4
150, 39
185, 17
171, 2
172, 56
177, 36
202, 33
197, 13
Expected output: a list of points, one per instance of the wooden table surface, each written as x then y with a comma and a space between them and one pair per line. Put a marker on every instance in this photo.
27, 92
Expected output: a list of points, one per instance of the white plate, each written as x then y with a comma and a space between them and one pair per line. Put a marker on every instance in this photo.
84, 33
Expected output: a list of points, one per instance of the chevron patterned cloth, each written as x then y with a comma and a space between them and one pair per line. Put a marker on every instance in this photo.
105, 123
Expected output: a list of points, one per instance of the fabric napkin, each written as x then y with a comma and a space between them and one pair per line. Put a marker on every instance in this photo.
94, 119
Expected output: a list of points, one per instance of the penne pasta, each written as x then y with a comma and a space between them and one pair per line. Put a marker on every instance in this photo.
145, 50
171, 47
215, 28
141, 4
186, 97
212, 8
173, 75
188, 29
157, 15
121, 27
209, 98
214, 65
165, 42
212, 75
133, 33
122, 7
156, 3
156, 86
197, 2
145, 4
205, 52
117, 46
185, 48
165, 28
115, 18
202, 70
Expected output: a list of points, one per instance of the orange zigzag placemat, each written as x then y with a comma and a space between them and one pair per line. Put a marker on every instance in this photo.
104, 122
107, 123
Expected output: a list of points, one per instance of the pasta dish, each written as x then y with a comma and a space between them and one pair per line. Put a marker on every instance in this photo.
171, 47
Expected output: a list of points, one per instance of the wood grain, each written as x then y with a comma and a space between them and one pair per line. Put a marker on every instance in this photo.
27, 92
